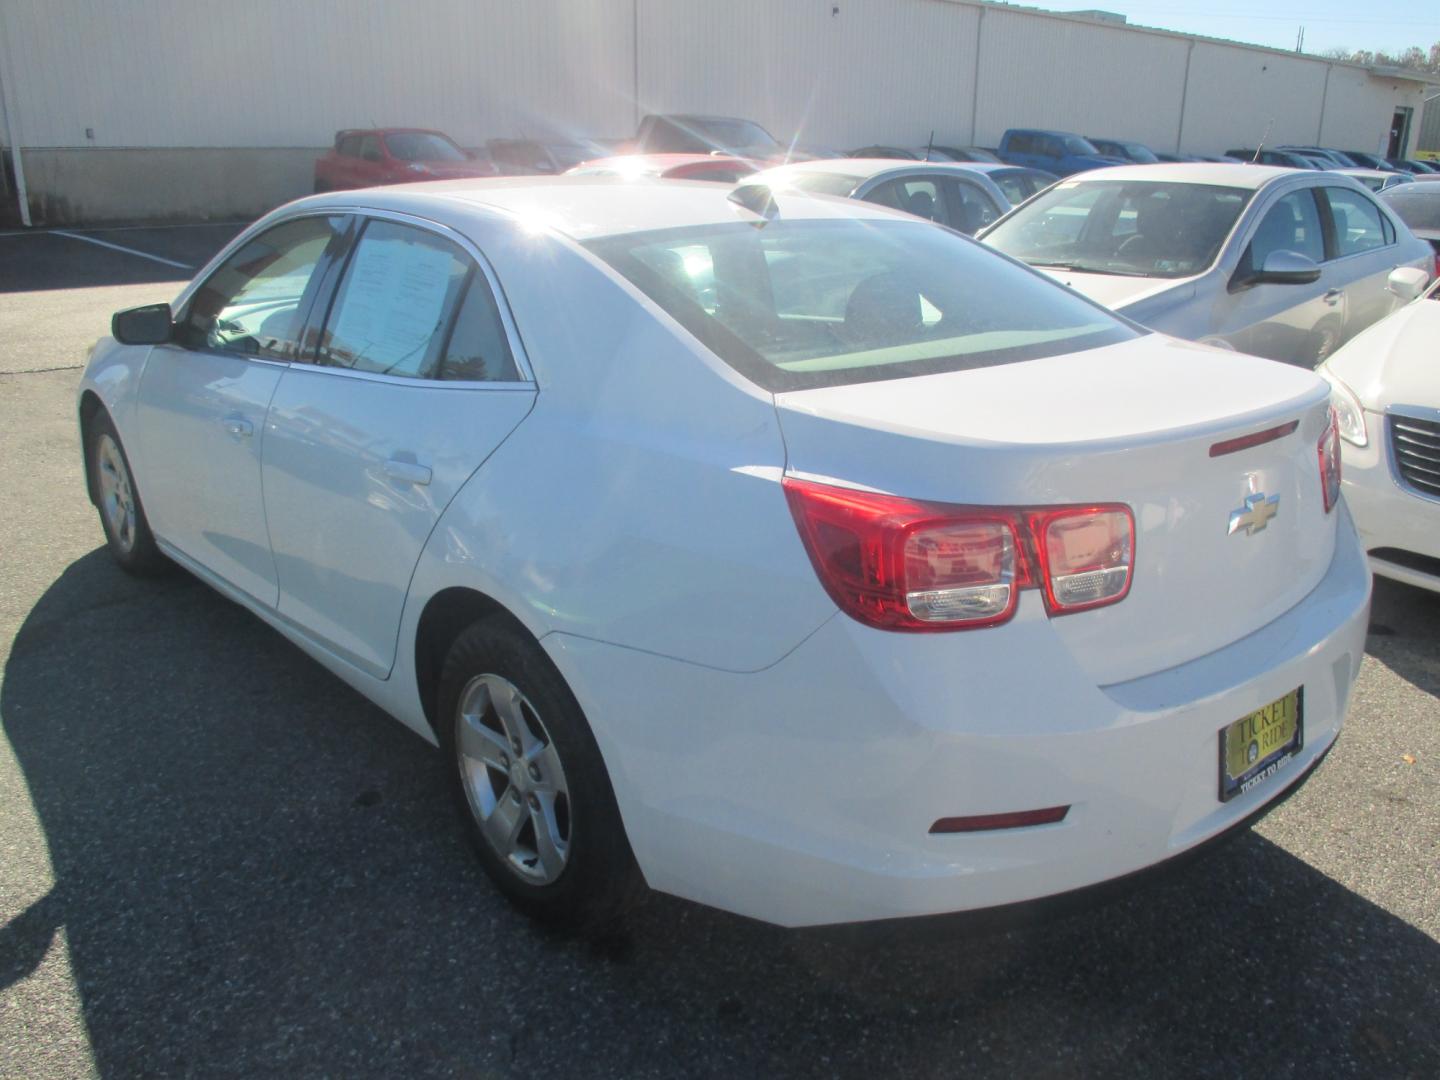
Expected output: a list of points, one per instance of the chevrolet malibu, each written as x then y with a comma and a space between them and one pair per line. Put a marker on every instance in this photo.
781, 552
1282, 263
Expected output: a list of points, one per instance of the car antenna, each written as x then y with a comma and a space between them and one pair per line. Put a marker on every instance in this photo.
1268, 126
930, 145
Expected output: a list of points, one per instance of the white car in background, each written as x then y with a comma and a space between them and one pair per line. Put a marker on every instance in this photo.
1375, 179
951, 193
783, 553
1283, 263
1386, 392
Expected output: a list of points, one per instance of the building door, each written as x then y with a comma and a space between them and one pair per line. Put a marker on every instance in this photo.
1399, 132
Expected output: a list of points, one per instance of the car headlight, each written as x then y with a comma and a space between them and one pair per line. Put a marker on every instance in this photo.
1348, 413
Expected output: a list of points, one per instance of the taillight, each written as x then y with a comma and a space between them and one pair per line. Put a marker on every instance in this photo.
1329, 451
901, 564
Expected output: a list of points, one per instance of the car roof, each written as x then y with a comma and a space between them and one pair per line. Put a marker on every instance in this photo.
1226, 174
865, 168
588, 207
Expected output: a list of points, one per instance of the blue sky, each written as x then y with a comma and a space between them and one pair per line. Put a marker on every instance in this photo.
1391, 25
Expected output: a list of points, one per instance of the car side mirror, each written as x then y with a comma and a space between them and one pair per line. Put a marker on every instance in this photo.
152, 324
1407, 282
1286, 268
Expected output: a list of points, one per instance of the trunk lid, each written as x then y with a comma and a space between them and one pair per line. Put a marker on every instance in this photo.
1131, 423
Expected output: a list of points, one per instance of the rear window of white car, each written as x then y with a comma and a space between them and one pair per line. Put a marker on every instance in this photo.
800, 304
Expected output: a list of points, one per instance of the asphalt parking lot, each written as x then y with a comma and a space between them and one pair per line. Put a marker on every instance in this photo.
215, 859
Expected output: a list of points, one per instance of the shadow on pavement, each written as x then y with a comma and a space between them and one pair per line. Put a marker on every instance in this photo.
257, 873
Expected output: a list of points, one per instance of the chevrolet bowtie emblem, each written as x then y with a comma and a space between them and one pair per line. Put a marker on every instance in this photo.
1255, 514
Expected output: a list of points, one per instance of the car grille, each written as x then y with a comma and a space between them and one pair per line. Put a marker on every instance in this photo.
1415, 445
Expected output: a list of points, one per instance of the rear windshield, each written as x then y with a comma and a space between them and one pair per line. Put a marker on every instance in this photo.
422, 146
1418, 209
801, 304
1133, 228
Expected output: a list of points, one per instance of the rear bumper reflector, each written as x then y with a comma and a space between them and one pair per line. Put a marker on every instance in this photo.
1018, 819
1260, 438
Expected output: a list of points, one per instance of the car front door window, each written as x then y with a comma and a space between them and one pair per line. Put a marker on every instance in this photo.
1359, 225
255, 303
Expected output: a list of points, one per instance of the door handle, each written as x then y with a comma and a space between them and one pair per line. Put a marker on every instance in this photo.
1332, 296
239, 426
408, 472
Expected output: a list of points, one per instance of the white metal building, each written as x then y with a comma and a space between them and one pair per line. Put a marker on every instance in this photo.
181, 108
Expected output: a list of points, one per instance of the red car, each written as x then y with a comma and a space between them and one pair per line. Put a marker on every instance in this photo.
668, 167
367, 158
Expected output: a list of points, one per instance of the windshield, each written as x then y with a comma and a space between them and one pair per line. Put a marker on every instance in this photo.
818, 183
422, 146
800, 304
1076, 145
734, 133
1142, 154
1137, 228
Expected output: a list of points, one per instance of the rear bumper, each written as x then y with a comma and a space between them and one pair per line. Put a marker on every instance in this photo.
1387, 515
804, 794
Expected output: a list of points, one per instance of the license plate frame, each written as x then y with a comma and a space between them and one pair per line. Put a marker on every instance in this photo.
1261, 767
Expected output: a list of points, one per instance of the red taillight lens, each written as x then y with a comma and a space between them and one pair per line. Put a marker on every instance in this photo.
899, 564
1087, 555
1329, 451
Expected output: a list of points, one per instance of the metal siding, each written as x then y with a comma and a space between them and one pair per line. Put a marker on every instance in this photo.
876, 70
1090, 79
1237, 96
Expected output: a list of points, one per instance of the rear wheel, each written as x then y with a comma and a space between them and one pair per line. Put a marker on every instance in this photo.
529, 782
122, 515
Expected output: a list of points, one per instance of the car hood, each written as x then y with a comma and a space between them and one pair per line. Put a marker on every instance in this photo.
1115, 291
1394, 361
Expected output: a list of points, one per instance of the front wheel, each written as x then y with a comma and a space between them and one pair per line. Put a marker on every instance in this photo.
529, 781
122, 515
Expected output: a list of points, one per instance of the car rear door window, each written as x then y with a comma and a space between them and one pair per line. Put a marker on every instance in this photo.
349, 146
254, 304
920, 197
414, 304
370, 148
1359, 224
970, 208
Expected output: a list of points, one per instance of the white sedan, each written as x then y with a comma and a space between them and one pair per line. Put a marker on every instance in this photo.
783, 553
1386, 391
1288, 264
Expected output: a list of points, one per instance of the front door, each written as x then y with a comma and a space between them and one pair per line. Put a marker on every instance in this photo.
1399, 132
415, 383
202, 401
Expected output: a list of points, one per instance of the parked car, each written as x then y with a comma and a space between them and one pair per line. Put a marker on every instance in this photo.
377, 156
1418, 205
1017, 183
1277, 262
1161, 155
1410, 165
1325, 159
717, 167
1057, 152
536, 157
1376, 180
880, 581
1281, 158
686, 133
1369, 161
1135, 152
897, 153
968, 153
1386, 393
958, 195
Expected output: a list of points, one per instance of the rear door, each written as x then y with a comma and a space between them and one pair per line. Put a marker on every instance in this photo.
1364, 253
202, 400
417, 376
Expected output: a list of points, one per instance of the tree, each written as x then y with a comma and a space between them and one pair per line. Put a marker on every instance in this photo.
1415, 58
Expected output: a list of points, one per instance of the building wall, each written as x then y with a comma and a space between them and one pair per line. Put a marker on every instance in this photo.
146, 109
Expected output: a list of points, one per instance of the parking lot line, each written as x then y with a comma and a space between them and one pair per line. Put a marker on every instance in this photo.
126, 250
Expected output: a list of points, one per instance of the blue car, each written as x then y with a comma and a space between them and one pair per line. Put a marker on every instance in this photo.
1058, 152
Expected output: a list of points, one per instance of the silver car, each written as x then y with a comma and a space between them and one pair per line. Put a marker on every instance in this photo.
951, 193
1282, 263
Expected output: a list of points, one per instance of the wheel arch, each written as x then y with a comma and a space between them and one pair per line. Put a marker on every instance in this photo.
90, 407
447, 615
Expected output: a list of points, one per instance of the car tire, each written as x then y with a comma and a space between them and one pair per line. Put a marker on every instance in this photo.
543, 821
117, 499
